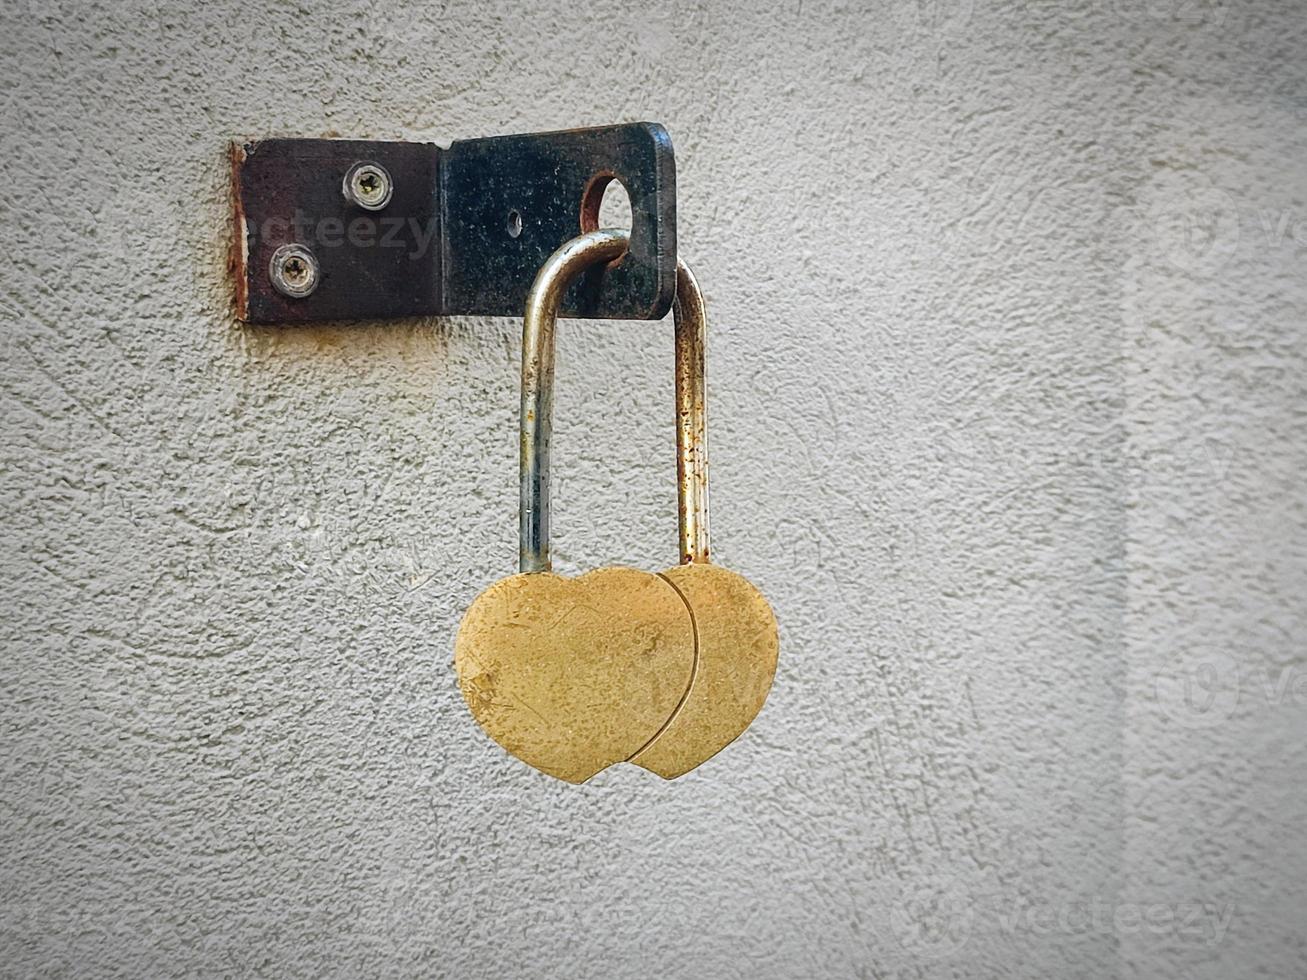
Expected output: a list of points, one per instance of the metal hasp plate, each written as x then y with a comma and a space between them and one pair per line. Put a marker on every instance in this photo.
419, 230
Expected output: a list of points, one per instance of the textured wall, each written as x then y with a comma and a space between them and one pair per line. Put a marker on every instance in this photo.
1007, 382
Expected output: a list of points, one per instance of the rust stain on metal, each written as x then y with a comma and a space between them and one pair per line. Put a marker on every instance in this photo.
238, 258
593, 197
691, 417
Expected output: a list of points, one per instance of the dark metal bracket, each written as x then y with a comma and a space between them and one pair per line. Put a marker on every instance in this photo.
332, 229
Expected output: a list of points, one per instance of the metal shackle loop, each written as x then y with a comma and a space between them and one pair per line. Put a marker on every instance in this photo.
538, 331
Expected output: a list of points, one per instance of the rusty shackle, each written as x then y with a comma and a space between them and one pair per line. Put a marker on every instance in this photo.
559, 271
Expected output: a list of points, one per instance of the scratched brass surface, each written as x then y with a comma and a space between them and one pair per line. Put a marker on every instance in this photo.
737, 644
573, 675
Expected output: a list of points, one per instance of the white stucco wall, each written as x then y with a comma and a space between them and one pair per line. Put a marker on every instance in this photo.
1012, 457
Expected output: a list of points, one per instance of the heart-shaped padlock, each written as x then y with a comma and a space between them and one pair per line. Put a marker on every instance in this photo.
663, 670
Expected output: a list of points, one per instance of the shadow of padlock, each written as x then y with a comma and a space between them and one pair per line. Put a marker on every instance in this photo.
662, 670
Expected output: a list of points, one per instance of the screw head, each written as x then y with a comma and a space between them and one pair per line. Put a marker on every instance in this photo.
294, 271
368, 185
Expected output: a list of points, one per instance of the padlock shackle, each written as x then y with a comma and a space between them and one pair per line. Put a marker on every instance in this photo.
691, 319
538, 332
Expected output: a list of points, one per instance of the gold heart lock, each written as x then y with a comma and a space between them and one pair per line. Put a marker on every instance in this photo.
573, 675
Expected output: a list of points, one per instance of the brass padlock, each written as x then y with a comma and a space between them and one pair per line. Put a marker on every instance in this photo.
663, 670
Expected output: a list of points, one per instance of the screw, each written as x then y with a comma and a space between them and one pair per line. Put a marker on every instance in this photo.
369, 186
294, 271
